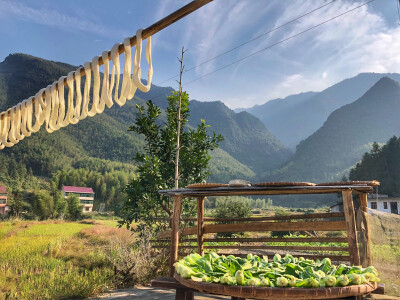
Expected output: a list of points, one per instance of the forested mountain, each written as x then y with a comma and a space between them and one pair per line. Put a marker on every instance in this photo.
381, 163
346, 135
296, 117
104, 138
246, 138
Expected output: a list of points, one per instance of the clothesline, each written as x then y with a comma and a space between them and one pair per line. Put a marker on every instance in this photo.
147, 32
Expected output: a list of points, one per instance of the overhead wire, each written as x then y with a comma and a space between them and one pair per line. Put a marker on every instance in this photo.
249, 41
269, 46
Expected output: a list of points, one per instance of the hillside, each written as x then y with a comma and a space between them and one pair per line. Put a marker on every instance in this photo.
246, 138
296, 117
346, 135
105, 136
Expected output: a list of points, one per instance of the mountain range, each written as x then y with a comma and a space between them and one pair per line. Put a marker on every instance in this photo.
296, 117
105, 136
329, 130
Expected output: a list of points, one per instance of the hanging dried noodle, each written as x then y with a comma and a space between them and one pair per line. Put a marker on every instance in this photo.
59, 109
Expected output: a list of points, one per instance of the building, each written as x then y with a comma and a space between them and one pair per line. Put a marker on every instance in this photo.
3, 200
379, 202
384, 203
85, 194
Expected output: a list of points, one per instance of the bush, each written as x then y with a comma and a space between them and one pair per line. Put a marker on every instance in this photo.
230, 209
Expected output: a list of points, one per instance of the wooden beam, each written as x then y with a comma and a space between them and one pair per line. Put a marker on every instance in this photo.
200, 225
176, 215
149, 31
266, 240
254, 190
348, 208
263, 226
363, 229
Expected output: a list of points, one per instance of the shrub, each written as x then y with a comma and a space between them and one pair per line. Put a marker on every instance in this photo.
230, 209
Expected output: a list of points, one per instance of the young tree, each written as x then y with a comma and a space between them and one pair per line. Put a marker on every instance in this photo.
156, 165
74, 207
43, 204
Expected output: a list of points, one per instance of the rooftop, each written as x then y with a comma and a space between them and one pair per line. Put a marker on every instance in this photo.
77, 189
3, 189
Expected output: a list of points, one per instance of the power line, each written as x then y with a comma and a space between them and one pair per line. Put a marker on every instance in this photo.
273, 45
249, 41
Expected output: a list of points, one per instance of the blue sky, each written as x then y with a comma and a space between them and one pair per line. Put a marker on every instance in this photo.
365, 40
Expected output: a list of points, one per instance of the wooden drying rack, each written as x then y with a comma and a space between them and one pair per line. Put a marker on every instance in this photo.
258, 223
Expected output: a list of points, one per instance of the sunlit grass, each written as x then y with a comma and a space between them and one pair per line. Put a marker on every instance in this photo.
51, 261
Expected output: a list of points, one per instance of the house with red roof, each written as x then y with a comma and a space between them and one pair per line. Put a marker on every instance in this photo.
85, 194
3, 199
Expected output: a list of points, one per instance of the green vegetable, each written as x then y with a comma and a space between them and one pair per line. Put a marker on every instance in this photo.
342, 280
287, 271
329, 280
239, 275
282, 282
354, 279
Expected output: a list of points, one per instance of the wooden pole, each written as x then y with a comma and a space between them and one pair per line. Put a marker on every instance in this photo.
348, 208
364, 230
200, 225
149, 31
178, 127
176, 216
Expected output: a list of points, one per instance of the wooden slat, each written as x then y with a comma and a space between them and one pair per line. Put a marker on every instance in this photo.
348, 208
294, 248
269, 218
253, 190
363, 227
262, 239
276, 226
263, 226
200, 224
308, 256
175, 233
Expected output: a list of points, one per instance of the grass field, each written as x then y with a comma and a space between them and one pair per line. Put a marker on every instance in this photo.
55, 260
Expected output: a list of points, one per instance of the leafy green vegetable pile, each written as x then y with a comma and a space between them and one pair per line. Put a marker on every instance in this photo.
285, 271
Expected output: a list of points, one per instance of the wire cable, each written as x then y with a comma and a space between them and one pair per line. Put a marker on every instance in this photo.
249, 41
272, 45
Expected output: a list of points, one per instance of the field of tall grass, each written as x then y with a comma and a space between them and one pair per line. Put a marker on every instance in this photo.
57, 260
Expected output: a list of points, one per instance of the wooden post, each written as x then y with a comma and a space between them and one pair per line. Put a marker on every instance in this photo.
176, 216
349, 214
200, 225
364, 230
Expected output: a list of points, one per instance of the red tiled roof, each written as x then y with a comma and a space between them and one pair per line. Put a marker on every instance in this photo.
77, 189
3, 189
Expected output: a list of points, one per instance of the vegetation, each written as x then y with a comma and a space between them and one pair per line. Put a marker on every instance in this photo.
229, 209
346, 135
156, 167
383, 164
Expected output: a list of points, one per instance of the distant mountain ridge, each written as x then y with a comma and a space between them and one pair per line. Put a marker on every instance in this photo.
346, 135
105, 136
298, 116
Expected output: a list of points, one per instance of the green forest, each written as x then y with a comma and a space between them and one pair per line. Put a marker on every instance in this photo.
383, 164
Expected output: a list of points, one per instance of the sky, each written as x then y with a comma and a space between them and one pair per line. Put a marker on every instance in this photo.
364, 40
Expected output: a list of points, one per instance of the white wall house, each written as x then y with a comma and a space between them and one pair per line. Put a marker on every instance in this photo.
85, 194
384, 203
379, 202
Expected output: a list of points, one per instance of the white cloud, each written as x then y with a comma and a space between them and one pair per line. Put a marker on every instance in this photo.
56, 19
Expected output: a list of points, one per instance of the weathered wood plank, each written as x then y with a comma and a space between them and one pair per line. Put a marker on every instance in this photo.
269, 218
294, 248
276, 226
200, 225
308, 256
253, 190
268, 239
263, 226
174, 234
364, 230
348, 208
